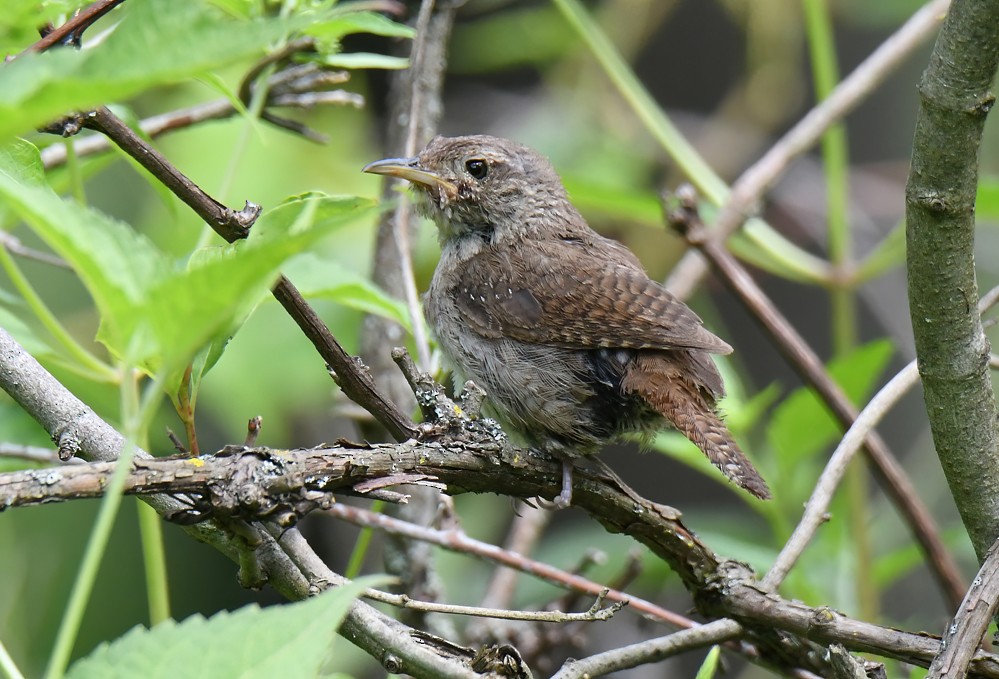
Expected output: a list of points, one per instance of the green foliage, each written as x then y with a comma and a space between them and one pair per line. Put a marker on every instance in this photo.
802, 425
709, 667
158, 42
155, 312
291, 640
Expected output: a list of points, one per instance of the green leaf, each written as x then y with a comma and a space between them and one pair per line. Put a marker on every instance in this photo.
709, 667
887, 254
112, 260
358, 22
157, 42
290, 640
363, 60
238, 276
318, 278
802, 425
155, 313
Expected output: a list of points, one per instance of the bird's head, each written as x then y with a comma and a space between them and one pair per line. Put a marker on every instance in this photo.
483, 187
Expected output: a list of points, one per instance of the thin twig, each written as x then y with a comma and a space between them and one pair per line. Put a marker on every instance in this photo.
35, 454
14, 246
458, 541
762, 175
799, 354
403, 214
821, 497
219, 109
822, 494
964, 635
650, 651
596, 612
233, 226
74, 28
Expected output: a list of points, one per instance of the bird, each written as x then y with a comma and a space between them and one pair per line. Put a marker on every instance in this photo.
572, 341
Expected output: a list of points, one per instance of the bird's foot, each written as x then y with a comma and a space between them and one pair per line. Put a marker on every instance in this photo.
563, 499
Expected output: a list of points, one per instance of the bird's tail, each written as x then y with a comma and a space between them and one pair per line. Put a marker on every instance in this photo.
669, 383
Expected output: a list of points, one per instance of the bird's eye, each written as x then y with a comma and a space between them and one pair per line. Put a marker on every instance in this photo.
477, 168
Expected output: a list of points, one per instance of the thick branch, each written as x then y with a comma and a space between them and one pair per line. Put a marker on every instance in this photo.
951, 347
285, 483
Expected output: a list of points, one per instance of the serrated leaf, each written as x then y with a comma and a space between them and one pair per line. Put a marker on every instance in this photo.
802, 425
154, 312
157, 42
239, 275
289, 640
112, 260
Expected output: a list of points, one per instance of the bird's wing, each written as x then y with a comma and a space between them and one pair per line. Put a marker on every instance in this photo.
565, 294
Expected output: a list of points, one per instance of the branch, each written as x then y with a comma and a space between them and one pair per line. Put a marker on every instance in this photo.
458, 541
682, 214
289, 482
595, 613
355, 382
282, 90
72, 30
951, 347
650, 651
964, 634
869, 417
848, 94
291, 567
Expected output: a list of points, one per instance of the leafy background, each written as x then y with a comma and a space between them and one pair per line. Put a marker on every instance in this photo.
731, 74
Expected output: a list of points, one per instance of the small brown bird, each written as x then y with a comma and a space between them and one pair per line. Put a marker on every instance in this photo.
571, 340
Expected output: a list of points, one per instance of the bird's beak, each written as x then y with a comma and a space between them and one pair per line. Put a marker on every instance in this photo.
409, 169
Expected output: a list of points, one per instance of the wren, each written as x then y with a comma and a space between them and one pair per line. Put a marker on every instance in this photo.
572, 341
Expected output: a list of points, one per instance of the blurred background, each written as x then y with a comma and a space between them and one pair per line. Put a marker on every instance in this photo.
733, 75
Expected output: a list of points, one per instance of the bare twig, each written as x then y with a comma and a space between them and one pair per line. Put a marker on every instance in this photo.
34, 454
596, 612
833, 473
684, 216
14, 246
458, 541
155, 126
74, 28
822, 494
650, 651
763, 174
253, 426
964, 635
232, 226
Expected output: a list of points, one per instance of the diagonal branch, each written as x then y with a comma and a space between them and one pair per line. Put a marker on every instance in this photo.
231, 225
682, 214
74, 28
754, 183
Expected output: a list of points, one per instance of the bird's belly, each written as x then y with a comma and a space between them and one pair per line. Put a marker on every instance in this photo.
561, 400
